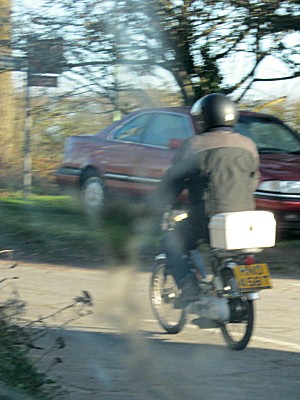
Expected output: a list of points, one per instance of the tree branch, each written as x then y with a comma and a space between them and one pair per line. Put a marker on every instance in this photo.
296, 75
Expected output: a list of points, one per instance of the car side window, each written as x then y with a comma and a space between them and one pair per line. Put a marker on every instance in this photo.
132, 130
166, 126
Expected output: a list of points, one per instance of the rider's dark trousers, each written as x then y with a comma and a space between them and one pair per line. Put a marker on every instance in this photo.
177, 244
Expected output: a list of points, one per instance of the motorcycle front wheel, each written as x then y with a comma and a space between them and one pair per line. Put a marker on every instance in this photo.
163, 291
237, 332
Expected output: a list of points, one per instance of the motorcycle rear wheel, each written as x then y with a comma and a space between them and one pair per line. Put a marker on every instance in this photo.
163, 291
238, 333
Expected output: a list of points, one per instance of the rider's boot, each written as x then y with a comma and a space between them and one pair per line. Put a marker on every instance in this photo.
190, 291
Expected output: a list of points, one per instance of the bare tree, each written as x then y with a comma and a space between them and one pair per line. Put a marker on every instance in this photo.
192, 39
198, 37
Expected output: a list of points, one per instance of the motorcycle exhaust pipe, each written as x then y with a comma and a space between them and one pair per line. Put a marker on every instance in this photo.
213, 308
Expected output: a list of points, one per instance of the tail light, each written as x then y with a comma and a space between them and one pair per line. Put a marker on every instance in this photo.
249, 260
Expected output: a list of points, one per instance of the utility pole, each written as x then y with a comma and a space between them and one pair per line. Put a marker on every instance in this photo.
27, 173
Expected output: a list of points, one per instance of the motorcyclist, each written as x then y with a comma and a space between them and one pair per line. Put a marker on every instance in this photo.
219, 168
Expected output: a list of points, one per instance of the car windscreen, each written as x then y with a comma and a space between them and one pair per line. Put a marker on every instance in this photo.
269, 135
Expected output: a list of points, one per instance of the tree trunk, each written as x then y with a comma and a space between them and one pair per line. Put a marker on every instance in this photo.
7, 106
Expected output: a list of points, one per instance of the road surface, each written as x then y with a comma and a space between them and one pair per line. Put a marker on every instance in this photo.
120, 353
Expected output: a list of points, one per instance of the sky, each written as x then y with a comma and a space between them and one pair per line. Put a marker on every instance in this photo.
235, 67
272, 68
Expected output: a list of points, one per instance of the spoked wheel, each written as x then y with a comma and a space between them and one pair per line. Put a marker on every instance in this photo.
238, 331
163, 291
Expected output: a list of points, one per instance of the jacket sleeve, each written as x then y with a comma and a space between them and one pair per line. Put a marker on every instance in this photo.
175, 179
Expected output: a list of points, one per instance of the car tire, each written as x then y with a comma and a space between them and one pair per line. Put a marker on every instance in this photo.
92, 196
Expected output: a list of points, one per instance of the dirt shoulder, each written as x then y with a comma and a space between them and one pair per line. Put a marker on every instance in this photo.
282, 261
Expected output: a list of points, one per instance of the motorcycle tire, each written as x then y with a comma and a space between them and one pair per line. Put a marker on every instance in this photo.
237, 333
163, 291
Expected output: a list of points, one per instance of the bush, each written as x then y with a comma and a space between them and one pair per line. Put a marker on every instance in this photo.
20, 374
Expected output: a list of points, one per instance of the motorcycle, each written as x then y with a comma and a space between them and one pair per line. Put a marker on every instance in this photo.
235, 280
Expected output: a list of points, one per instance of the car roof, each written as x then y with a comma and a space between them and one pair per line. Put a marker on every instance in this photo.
176, 109
186, 110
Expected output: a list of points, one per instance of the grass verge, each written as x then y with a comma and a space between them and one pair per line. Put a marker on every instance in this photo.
53, 229
48, 228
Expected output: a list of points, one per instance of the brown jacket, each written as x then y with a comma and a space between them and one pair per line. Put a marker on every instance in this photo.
220, 170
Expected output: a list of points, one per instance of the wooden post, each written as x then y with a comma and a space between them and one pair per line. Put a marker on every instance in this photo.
27, 172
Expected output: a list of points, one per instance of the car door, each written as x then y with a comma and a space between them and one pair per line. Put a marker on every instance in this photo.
124, 154
162, 128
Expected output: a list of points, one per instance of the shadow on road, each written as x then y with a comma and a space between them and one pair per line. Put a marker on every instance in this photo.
149, 365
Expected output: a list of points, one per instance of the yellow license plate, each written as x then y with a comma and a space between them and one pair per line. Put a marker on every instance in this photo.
252, 277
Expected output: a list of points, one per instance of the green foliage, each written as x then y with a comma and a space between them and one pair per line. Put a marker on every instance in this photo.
49, 228
17, 369
54, 229
22, 375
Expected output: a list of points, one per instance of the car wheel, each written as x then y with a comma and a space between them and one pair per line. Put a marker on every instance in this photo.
92, 196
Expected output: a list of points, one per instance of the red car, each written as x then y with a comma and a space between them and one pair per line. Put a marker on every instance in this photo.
131, 155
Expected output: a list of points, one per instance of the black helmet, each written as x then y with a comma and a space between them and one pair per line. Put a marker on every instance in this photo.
214, 110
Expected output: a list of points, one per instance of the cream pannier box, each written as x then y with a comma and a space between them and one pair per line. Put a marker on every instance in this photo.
242, 230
